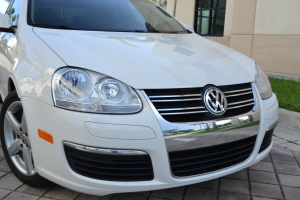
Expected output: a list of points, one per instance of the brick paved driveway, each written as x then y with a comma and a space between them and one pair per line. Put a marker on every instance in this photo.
276, 177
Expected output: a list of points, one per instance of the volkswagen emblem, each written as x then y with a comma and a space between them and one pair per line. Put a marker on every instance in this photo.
215, 101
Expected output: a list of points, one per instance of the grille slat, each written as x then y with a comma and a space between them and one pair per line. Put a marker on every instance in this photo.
249, 104
177, 105
174, 96
213, 158
110, 167
168, 100
234, 95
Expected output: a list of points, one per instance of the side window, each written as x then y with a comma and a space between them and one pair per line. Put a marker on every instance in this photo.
14, 12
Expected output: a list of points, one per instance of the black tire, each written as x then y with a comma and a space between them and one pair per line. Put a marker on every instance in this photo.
32, 180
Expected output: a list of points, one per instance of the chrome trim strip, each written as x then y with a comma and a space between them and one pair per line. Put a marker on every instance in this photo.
240, 102
273, 126
104, 151
249, 104
176, 100
172, 96
188, 108
234, 91
184, 113
234, 95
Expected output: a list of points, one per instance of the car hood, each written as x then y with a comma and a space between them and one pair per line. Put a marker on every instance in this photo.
151, 60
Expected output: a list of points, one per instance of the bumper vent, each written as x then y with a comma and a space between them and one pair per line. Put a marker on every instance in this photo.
110, 167
186, 105
209, 159
266, 141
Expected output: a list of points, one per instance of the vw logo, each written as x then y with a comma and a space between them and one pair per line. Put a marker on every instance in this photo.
215, 101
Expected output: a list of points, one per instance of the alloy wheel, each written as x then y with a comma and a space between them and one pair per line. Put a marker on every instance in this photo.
17, 139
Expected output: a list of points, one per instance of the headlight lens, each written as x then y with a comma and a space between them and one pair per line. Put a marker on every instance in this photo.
262, 83
87, 91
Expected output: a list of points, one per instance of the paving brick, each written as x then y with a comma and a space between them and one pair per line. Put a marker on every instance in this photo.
267, 159
296, 153
45, 198
289, 180
3, 193
233, 196
241, 175
1, 153
266, 190
236, 186
4, 166
298, 159
287, 169
284, 159
39, 191
18, 195
291, 193
9, 181
129, 196
281, 150
193, 193
260, 198
2, 173
212, 184
59, 192
155, 198
263, 177
91, 197
172, 193
263, 166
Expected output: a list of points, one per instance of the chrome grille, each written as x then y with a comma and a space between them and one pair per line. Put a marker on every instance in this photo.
186, 105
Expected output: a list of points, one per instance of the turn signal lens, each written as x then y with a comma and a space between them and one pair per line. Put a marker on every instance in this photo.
46, 136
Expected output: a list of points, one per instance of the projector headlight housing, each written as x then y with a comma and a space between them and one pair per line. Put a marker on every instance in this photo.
87, 91
262, 83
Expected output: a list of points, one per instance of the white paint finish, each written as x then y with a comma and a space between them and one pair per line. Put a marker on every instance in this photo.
277, 17
4, 21
118, 131
145, 60
72, 129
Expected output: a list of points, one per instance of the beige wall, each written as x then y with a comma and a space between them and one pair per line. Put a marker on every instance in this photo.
266, 30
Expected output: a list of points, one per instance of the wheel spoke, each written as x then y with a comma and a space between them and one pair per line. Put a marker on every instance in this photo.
27, 160
14, 148
13, 123
24, 124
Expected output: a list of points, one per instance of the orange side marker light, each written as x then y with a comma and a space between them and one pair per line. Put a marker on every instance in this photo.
46, 136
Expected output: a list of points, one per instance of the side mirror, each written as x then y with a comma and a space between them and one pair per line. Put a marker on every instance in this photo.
188, 27
5, 25
4, 21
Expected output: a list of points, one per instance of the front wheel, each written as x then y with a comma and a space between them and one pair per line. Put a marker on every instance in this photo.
15, 140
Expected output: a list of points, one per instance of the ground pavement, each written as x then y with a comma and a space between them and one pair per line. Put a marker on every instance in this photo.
275, 177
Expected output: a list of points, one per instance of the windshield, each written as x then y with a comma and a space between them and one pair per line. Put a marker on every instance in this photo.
102, 15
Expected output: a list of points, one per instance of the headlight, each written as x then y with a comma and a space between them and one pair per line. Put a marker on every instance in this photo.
86, 91
262, 83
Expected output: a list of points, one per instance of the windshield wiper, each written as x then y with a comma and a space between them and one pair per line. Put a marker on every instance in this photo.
151, 28
53, 26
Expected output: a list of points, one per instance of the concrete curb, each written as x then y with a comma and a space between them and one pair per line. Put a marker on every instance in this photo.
283, 76
288, 127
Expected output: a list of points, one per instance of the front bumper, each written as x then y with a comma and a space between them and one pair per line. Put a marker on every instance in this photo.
140, 132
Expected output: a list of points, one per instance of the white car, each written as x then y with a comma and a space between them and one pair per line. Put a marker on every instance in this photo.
117, 96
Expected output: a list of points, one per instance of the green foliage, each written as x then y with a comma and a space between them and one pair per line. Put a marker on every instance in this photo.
288, 93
